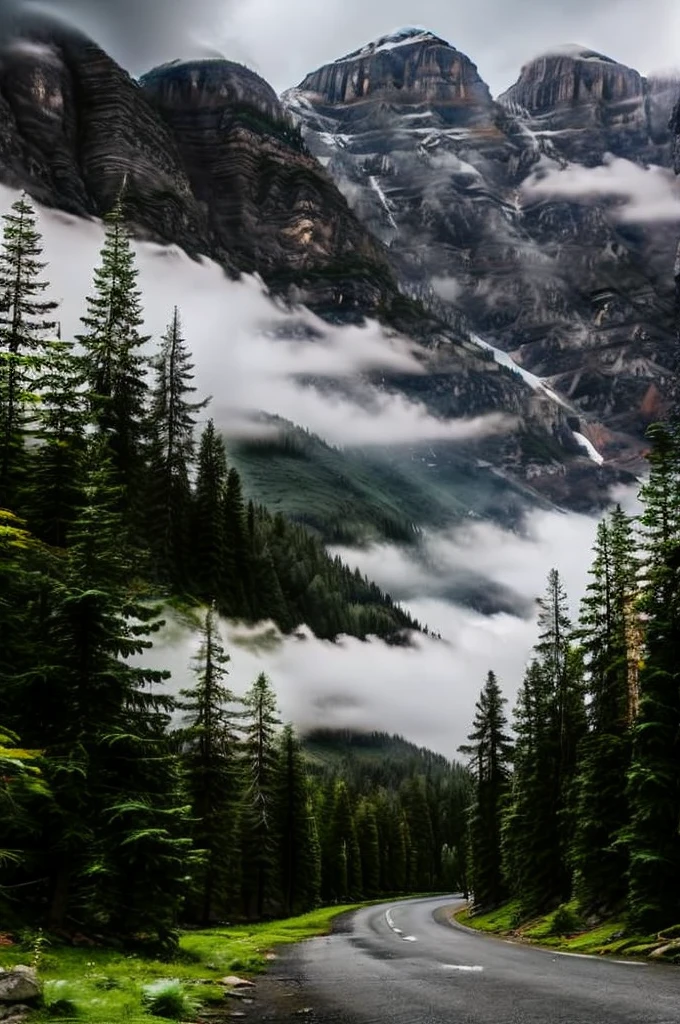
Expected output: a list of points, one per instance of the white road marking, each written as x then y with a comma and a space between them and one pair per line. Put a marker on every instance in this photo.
579, 956
398, 931
589, 956
461, 967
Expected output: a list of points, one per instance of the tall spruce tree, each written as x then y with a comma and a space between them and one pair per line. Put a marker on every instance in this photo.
25, 325
562, 670
260, 878
208, 741
208, 519
489, 750
531, 838
653, 837
116, 365
122, 848
53, 491
368, 838
549, 727
297, 836
341, 865
173, 420
238, 597
608, 637
421, 852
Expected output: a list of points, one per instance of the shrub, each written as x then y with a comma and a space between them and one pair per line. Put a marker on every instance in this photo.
62, 1008
564, 921
167, 998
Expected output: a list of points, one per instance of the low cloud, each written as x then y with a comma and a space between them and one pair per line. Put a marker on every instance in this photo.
251, 353
428, 691
644, 194
446, 288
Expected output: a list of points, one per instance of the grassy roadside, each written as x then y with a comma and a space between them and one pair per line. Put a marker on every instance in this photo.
563, 930
94, 985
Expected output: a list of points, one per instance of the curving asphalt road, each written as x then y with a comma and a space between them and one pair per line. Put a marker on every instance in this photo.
405, 963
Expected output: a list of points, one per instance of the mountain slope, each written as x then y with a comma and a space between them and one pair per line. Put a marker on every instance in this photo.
459, 188
212, 163
380, 493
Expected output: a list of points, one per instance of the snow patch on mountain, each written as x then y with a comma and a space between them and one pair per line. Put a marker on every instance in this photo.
576, 52
534, 382
588, 447
409, 36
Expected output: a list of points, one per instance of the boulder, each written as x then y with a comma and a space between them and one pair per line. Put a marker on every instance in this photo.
15, 1014
19, 985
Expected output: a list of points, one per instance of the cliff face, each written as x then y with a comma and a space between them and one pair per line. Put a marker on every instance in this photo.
575, 77
73, 125
214, 163
210, 159
417, 66
268, 204
577, 293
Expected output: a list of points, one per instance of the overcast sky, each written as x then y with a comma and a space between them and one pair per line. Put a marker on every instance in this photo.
284, 39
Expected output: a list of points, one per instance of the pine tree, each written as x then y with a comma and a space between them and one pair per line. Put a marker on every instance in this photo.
122, 849
208, 529
531, 836
549, 726
653, 839
298, 841
173, 419
562, 669
208, 742
237, 562
368, 839
607, 635
24, 326
53, 491
115, 364
422, 849
258, 813
341, 867
489, 751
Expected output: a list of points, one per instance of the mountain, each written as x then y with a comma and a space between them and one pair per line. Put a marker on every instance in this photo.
213, 162
375, 755
508, 216
359, 495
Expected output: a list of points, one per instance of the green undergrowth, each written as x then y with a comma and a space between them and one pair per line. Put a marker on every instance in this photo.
94, 985
564, 929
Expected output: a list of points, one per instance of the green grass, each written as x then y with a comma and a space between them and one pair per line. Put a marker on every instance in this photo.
104, 986
608, 938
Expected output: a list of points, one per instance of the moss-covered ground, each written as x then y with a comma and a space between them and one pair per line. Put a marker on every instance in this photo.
563, 929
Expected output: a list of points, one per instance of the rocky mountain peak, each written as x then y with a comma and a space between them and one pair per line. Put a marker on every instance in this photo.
211, 83
409, 67
409, 36
573, 76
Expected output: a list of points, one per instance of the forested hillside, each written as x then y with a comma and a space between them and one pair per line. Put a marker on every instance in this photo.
123, 811
581, 807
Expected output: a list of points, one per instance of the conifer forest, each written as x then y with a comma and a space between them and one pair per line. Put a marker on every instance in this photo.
127, 813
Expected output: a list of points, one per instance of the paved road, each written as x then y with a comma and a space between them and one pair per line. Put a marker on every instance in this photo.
406, 964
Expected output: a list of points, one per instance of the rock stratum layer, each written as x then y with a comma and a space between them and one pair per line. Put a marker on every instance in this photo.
418, 176
210, 159
544, 222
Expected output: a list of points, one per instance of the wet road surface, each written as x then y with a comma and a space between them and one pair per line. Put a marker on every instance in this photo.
405, 963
